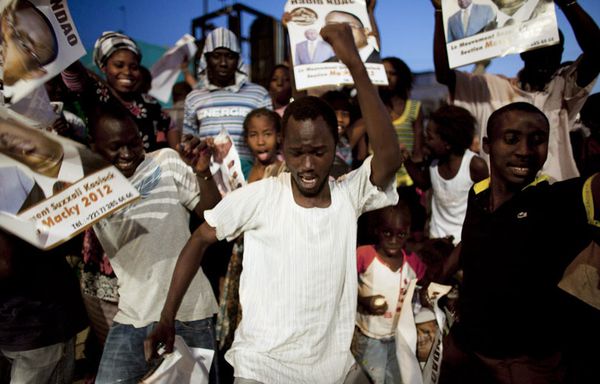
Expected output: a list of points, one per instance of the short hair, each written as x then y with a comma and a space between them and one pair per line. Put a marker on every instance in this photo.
114, 111
404, 74
520, 106
456, 126
276, 67
338, 100
311, 108
401, 209
271, 115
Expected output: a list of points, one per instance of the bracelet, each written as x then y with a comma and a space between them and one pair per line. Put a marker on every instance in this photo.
571, 3
438, 10
203, 177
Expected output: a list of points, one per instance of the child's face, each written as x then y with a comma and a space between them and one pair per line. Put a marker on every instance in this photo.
392, 233
434, 143
262, 139
119, 142
343, 119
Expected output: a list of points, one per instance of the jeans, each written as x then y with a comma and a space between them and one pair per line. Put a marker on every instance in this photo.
53, 364
377, 357
123, 358
355, 376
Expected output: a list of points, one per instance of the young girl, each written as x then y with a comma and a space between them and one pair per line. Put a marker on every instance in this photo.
118, 57
384, 272
262, 132
451, 171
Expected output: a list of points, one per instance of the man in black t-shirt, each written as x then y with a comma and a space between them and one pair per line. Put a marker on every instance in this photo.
519, 234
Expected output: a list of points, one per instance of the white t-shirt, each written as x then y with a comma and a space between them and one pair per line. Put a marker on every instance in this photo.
143, 242
449, 200
299, 284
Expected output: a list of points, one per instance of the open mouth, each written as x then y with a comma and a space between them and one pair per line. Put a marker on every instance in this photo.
308, 181
263, 156
519, 171
125, 82
126, 166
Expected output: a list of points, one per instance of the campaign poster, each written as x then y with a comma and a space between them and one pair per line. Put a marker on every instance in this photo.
225, 164
39, 41
314, 61
52, 188
419, 335
477, 30
166, 70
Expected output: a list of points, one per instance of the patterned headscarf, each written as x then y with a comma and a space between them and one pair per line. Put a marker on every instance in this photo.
221, 38
109, 43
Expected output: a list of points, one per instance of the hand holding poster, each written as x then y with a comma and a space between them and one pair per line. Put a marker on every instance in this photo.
314, 61
52, 188
39, 41
166, 70
481, 29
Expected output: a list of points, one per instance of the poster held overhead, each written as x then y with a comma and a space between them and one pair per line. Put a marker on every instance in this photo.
39, 39
314, 62
477, 30
166, 70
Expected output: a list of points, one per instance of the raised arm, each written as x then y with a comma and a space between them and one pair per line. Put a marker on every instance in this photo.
386, 153
587, 34
76, 77
186, 268
443, 73
200, 161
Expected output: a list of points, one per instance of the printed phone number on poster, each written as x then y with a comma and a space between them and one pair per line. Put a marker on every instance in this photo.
92, 197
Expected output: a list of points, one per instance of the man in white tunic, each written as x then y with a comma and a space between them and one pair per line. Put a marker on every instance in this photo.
298, 287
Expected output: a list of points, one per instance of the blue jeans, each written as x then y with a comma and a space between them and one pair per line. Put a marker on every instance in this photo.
123, 357
377, 357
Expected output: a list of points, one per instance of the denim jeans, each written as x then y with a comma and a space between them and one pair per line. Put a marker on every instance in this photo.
123, 357
377, 357
53, 364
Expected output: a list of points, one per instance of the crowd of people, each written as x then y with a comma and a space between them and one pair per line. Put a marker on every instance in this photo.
299, 271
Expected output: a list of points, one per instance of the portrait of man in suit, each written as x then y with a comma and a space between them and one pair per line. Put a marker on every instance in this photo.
313, 49
471, 19
366, 50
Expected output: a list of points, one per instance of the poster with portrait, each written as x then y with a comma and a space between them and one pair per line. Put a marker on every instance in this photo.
477, 30
52, 188
39, 41
314, 61
419, 335
225, 164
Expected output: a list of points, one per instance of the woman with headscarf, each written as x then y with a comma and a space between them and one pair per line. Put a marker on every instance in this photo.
119, 57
